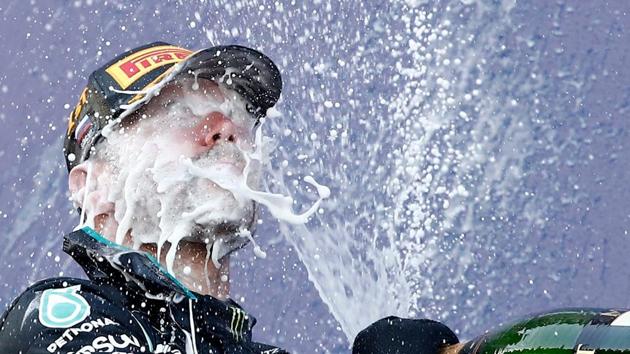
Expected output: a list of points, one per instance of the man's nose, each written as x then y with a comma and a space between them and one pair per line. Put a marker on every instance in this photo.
215, 129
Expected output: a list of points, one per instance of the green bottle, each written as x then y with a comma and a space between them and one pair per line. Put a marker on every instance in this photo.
570, 331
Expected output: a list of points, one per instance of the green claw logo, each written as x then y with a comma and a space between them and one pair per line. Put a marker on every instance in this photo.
63, 308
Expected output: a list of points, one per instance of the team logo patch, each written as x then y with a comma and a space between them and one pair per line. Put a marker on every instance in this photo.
130, 69
63, 308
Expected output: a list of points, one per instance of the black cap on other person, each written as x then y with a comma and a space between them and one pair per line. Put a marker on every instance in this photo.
394, 335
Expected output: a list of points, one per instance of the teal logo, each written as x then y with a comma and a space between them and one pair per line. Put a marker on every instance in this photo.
63, 308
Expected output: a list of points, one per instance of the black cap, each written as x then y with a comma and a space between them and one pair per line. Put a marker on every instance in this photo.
394, 335
119, 87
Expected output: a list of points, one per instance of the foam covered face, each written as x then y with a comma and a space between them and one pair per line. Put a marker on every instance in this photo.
190, 126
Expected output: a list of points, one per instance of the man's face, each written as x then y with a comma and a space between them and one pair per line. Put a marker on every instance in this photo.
153, 157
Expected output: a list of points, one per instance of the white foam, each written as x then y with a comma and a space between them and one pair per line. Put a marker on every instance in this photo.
83, 194
166, 192
257, 250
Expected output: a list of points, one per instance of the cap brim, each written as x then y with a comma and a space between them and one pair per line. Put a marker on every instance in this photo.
247, 71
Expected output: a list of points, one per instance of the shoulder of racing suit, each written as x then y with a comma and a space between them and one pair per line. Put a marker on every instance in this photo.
67, 315
129, 305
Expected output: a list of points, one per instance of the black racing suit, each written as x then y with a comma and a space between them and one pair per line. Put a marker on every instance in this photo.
129, 305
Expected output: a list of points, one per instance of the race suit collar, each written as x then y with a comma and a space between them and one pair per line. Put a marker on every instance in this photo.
106, 262
103, 260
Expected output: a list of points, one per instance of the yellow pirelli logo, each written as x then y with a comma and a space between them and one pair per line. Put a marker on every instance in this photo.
149, 85
128, 70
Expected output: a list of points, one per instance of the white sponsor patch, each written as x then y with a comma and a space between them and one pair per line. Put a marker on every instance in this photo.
109, 344
622, 320
71, 333
166, 349
63, 308
579, 350
270, 351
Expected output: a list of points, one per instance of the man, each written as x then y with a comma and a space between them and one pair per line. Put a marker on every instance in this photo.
163, 157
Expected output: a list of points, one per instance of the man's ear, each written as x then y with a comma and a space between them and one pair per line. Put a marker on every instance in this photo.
77, 179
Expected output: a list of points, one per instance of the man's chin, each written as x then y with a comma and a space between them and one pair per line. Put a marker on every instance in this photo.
206, 233
209, 232
220, 239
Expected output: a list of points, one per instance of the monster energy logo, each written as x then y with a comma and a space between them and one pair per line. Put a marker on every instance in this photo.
238, 320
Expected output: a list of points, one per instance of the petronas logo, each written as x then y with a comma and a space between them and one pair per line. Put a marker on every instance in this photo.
238, 320
63, 308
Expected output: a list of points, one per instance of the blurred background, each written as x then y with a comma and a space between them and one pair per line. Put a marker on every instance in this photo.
477, 152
